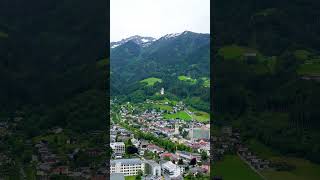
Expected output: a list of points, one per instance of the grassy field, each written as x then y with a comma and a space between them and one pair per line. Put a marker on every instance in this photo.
163, 107
302, 54
151, 81
234, 52
130, 177
181, 115
231, 52
261, 150
206, 82
309, 69
187, 79
232, 168
30, 173
3, 35
305, 170
201, 116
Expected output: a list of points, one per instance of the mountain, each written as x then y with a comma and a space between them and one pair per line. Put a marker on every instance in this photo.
143, 41
167, 58
134, 61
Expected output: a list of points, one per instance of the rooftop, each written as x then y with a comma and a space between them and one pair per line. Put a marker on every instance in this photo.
126, 161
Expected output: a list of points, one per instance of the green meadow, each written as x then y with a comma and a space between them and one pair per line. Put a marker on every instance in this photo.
201, 116
151, 81
304, 170
179, 115
233, 168
187, 79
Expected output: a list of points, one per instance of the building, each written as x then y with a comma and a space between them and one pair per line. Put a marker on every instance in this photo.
128, 167
187, 157
118, 147
155, 149
171, 170
135, 142
152, 168
176, 129
162, 91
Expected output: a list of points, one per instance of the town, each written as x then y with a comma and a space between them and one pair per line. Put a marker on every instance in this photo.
147, 146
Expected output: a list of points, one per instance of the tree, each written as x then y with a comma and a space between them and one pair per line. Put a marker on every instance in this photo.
139, 176
204, 156
131, 150
180, 162
193, 162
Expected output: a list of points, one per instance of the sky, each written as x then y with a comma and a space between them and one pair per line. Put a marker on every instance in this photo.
156, 18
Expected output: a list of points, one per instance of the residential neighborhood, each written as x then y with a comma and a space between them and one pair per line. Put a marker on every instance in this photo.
155, 147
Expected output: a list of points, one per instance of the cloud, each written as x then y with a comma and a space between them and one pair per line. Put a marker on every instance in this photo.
156, 18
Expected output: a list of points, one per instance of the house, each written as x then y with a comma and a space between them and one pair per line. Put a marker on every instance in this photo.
94, 152
169, 156
144, 144
227, 130
60, 170
154, 148
187, 157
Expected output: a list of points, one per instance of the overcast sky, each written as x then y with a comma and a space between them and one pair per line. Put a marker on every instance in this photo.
156, 18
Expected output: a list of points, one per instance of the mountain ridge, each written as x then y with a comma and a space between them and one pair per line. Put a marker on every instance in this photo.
145, 41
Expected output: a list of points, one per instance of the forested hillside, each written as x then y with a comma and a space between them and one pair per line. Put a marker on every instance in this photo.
180, 62
266, 73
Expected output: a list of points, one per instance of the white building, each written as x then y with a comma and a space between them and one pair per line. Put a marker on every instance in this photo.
135, 142
162, 91
118, 147
128, 167
152, 168
171, 170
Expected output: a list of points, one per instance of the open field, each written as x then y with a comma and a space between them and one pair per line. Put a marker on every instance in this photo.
130, 177
201, 116
261, 150
302, 54
232, 167
233, 52
309, 69
151, 81
305, 170
180, 115
163, 107
187, 79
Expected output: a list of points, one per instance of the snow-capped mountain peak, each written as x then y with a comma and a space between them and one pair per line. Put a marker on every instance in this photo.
143, 41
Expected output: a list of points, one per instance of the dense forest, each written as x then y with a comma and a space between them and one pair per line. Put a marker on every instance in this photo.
53, 64
266, 71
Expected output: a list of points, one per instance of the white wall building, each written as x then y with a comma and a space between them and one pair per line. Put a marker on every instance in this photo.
152, 168
171, 170
128, 167
118, 147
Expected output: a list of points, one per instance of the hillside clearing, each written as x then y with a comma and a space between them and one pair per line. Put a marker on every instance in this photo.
151, 81
179, 115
